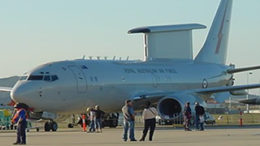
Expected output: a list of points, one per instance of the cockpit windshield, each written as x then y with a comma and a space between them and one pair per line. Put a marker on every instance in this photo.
49, 78
35, 77
23, 78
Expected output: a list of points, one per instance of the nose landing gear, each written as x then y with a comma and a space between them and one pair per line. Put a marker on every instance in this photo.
50, 126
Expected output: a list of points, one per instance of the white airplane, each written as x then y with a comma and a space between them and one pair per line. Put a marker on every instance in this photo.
168, 77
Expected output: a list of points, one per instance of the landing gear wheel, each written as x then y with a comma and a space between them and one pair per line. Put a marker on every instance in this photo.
47, 126
54, 126
70, 125
51, 125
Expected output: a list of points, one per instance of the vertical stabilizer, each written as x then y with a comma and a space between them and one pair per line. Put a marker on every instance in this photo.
215, 47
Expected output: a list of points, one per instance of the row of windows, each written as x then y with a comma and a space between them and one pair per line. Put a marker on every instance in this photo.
42, 77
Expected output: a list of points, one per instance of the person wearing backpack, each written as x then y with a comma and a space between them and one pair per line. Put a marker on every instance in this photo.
149, 115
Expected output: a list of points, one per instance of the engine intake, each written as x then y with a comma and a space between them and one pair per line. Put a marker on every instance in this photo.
169, 108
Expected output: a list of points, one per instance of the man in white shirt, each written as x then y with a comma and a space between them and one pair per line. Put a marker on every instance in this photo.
149, 115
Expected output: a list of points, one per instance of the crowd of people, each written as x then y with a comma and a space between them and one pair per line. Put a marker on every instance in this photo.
149, 116
95, 117
199, 117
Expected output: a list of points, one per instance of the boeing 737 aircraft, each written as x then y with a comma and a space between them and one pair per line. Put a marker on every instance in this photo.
168, 76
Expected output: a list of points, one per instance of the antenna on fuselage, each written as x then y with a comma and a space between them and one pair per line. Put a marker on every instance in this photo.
114, 58
84, 56
90, 57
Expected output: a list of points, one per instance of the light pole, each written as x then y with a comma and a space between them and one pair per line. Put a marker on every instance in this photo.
247, 97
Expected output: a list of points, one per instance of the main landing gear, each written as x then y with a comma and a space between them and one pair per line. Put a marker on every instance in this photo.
111, 120
50, 126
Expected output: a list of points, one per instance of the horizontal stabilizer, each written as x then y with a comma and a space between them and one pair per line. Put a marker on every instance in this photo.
5, 89
237, 70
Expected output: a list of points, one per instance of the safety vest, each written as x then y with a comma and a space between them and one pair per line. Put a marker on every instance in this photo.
17, 114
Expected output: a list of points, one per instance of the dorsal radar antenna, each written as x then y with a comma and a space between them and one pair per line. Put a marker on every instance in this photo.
168, 41
98, 57
114, 58
90, 57
127, 58
84, 56
105, 57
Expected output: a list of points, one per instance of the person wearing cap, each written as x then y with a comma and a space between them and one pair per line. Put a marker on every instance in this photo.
149, 115
20, 119
199, 119
187, 117
129, 120
99, 117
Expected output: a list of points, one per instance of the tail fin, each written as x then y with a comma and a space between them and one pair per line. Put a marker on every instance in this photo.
215, 47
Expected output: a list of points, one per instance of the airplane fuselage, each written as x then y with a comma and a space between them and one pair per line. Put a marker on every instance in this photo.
79, 84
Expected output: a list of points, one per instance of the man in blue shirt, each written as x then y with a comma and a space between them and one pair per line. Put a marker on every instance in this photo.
129, 120
20, 119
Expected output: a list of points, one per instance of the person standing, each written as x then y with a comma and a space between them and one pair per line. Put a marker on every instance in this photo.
200, 111
129, 120
187, 117
149, 115
92, 118
20, 119
99, 117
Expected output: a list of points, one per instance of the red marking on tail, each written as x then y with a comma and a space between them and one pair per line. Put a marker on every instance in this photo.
220, 35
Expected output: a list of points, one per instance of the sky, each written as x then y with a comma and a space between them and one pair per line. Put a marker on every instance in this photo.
36, 32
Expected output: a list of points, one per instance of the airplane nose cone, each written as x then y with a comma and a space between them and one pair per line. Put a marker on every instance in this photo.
18, 94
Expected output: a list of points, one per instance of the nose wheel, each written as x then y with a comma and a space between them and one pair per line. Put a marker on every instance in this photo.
50, 126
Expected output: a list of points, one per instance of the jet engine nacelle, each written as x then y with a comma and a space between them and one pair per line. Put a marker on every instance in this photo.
48, 116
172, 107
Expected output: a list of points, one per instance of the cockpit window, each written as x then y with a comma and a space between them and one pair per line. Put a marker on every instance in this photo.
23, 78
54, 77
35, 77
47, 78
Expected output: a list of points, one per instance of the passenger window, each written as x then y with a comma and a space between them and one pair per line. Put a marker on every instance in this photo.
47, 78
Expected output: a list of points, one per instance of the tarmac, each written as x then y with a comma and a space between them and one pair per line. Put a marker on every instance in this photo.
222, 136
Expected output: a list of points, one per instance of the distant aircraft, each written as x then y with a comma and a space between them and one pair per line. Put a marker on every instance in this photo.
168, 77
251, 101
6, 102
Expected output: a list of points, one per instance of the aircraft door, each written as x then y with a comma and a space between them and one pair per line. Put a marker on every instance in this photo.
156, 80
80, 78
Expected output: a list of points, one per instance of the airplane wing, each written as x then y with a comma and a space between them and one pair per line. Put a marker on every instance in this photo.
5, 89
225, 88
237, 70
157, 96
6, 107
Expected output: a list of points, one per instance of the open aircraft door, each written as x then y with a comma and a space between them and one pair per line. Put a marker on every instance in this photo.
80, 78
